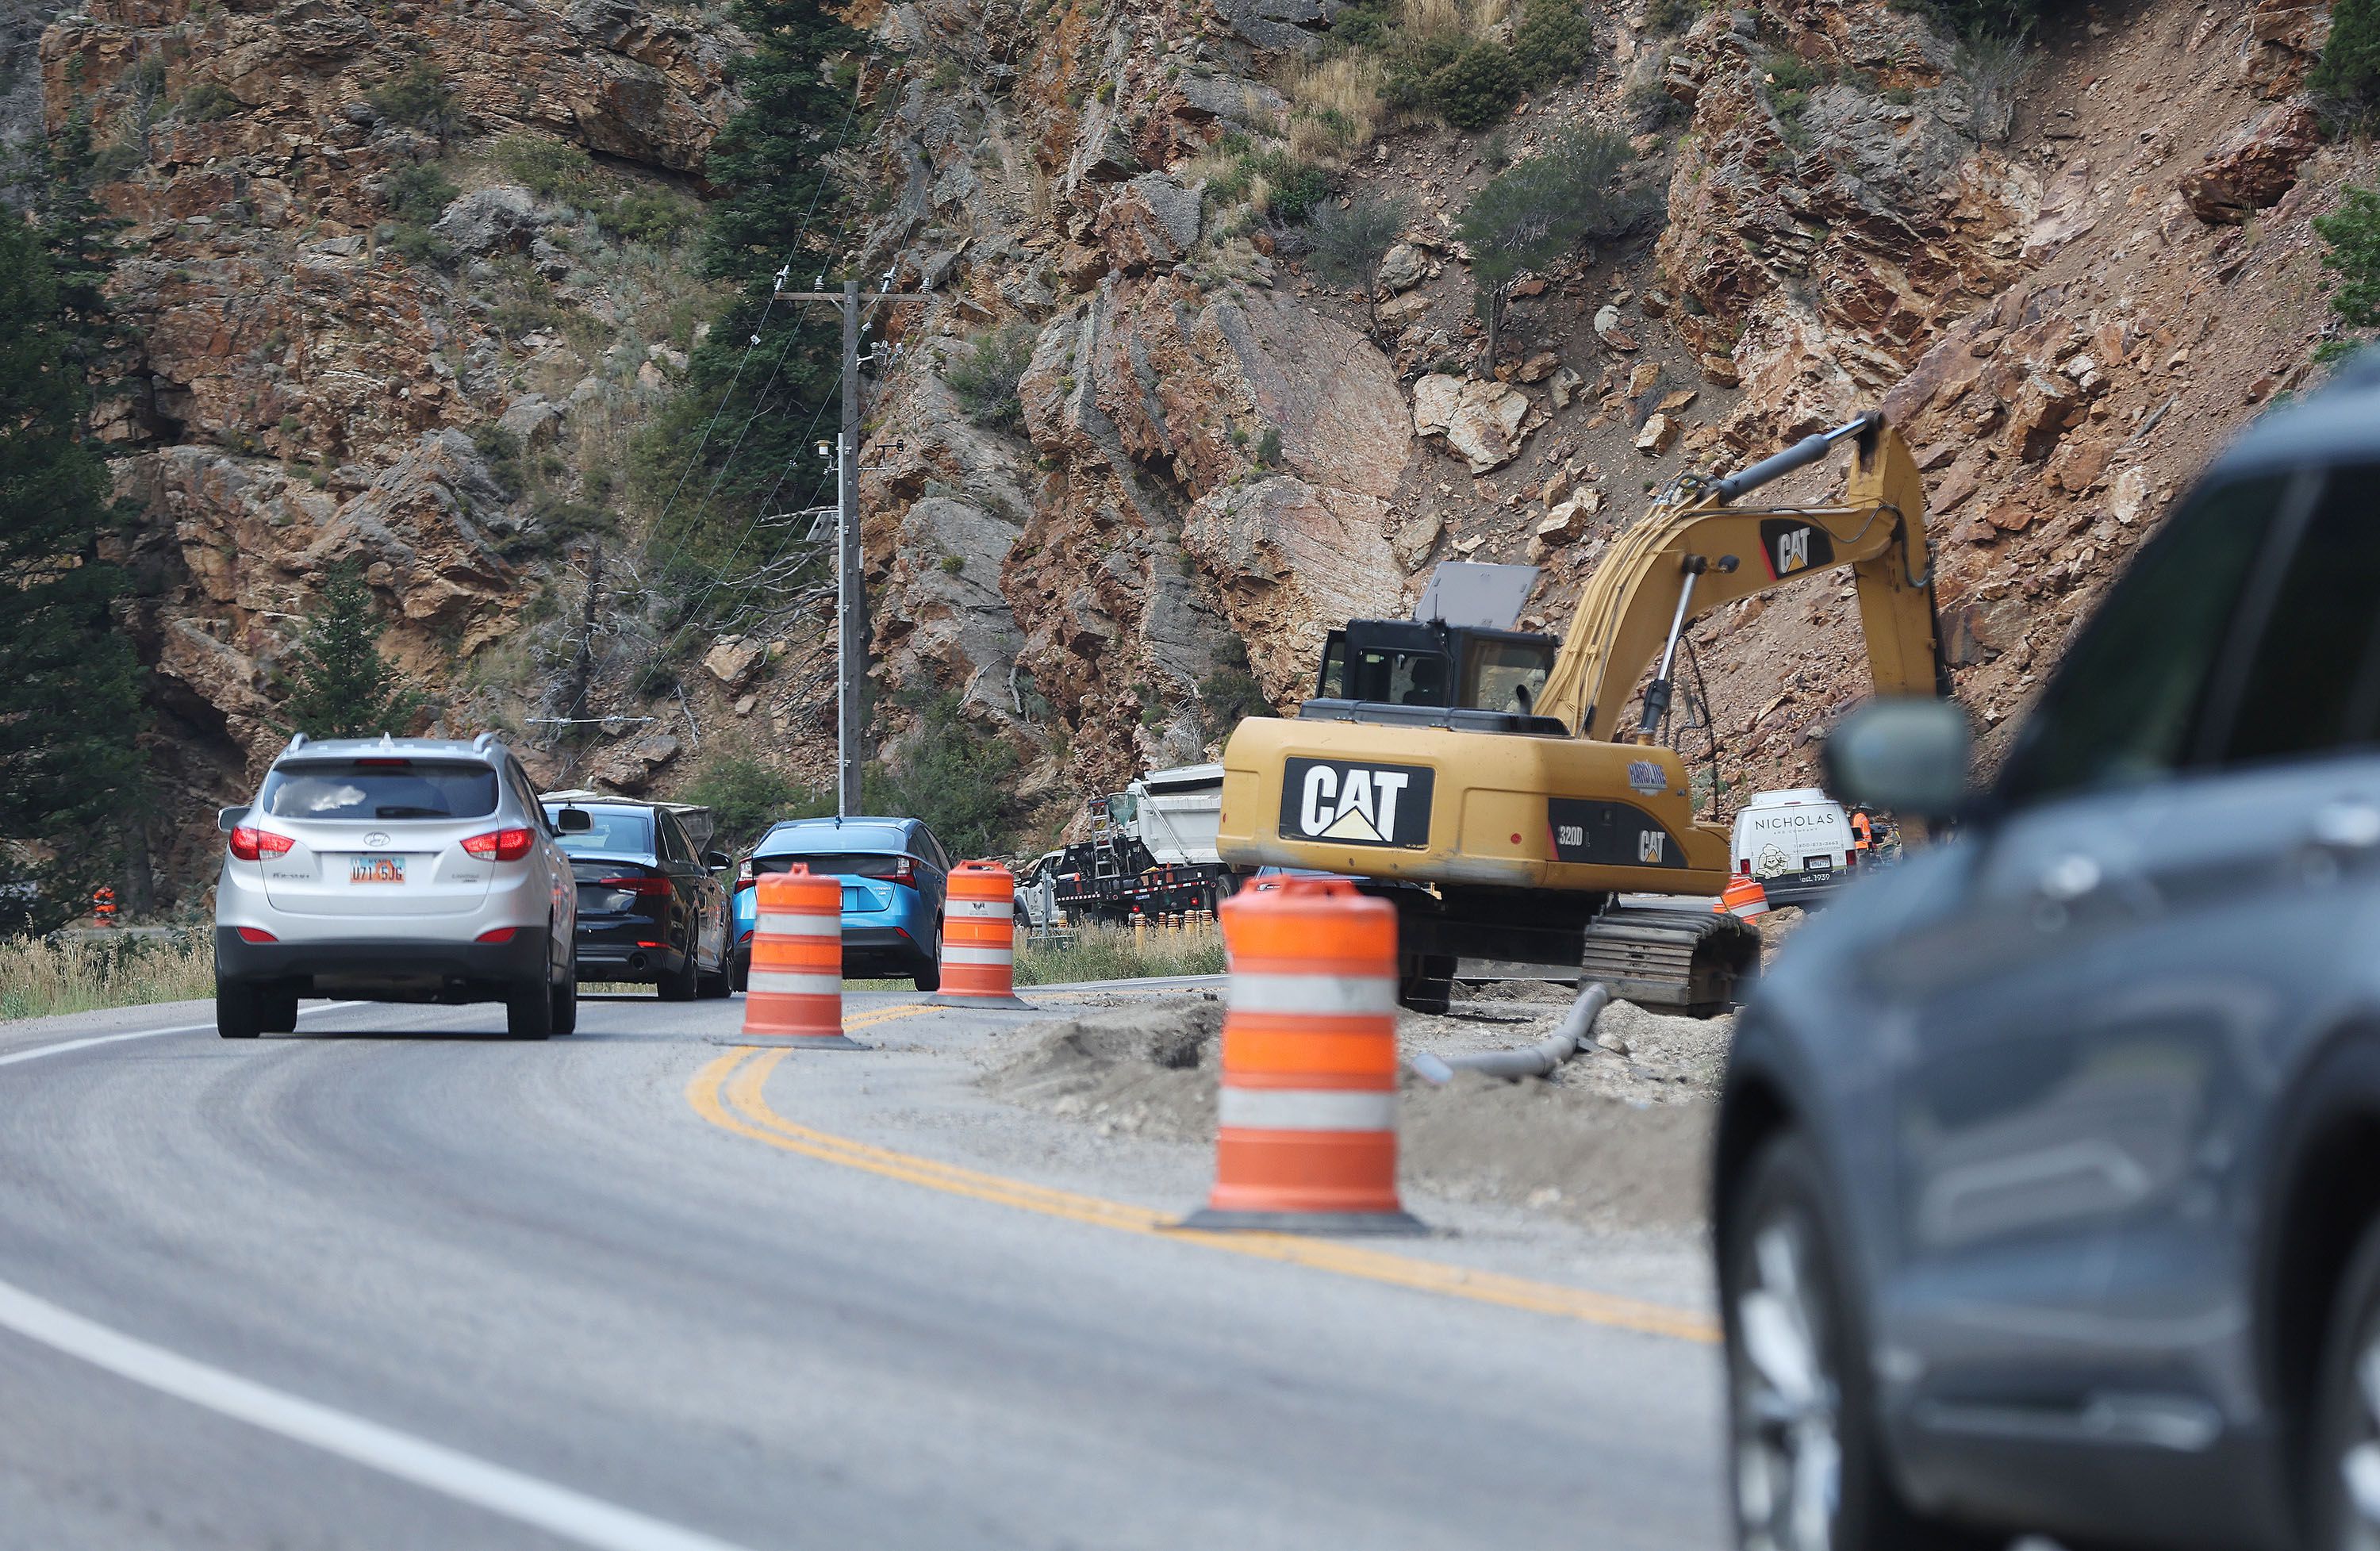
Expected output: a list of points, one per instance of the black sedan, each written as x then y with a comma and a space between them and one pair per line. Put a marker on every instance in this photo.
2048, 1165
650, 908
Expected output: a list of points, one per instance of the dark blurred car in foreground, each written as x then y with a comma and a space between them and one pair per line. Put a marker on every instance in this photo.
2047, 1176
893, 872
650, 908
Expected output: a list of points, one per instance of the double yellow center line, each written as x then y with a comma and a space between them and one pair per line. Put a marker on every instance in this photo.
730, 1092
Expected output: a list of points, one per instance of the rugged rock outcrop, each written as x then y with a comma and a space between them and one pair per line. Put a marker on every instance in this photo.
2037, 269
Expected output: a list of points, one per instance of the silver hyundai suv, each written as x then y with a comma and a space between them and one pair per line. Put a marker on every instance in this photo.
394, 869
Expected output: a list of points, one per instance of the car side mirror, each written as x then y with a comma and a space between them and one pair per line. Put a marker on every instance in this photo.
716, 860
573, 821
1908, 755
230, 818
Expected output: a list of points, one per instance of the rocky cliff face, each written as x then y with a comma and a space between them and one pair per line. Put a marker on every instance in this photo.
2020, 258
309, 392
2068, 279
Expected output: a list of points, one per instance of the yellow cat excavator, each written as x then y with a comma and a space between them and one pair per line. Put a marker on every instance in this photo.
1474, 775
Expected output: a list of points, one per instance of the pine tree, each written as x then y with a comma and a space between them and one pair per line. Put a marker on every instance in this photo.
70, 773
780, 202
340, 687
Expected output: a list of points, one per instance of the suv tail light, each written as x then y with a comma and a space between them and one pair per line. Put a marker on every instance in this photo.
649, 886
254, 845
500, 845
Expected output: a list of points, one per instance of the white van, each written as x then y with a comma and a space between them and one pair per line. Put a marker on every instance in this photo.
1797, 844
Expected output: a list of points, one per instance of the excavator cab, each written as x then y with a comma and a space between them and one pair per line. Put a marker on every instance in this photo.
1418, 673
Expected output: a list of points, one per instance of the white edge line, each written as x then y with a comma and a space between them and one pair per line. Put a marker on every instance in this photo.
540, 1504
68, 1047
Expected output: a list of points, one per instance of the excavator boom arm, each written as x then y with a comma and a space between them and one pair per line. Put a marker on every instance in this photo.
1630, 603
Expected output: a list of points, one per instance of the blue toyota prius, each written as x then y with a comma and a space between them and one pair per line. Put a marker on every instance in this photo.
893, 872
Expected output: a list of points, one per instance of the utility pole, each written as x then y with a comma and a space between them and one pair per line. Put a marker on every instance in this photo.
851, 584
851, 630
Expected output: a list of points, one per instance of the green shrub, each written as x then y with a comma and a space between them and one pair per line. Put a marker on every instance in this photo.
746, 795
420, 97
947, 76
1231, 694
417, 193
417, 244
516, 317
206, 102
1372, 24
1475, 88
649, 215
1555, 43
1651, 108
1791, 72
985, 378
2350, 70
1671, 16
2352, 234
501, 450
954, 565
1297, 187
956, 774
550, 169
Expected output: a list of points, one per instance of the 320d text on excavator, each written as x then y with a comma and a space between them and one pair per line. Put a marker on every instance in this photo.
1478, 776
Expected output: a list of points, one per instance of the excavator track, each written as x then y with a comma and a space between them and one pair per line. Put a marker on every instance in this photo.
1672, 959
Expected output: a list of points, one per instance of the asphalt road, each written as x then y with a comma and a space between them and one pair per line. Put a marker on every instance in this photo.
381, 1284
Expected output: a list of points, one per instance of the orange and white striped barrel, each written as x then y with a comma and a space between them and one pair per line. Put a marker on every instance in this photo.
1307, 1115
979, 937
794, 992
1743, 899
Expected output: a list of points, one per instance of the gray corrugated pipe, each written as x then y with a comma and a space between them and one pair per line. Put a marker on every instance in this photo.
1533, 1060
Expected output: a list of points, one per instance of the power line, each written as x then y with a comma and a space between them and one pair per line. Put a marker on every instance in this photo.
753, 342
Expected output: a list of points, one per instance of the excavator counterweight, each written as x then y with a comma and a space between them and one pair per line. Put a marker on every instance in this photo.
1477, 779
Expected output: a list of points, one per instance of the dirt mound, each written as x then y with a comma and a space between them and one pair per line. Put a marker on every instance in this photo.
1145, 1068
1617, 1137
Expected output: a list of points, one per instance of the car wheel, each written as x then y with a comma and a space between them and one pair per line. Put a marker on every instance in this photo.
565, 995
239, 1012
712, 987
2346, 1487
529, 1010
739, 971
1809, 1472
679, 985
277, 1012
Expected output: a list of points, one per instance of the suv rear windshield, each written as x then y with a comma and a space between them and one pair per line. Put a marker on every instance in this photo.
839, 864
379, 789
617, 833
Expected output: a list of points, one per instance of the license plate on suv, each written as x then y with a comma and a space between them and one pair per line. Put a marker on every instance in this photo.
376, 870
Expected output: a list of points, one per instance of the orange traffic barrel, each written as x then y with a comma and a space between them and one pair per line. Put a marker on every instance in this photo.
1305, 1138
1744, 898
979, 938
795, 993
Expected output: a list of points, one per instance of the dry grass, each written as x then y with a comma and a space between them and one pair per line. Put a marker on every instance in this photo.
40, 977
1336, 105
1491, 19
1432, 19
1119, 953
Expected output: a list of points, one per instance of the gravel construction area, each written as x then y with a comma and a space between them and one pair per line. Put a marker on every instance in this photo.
1616, 1138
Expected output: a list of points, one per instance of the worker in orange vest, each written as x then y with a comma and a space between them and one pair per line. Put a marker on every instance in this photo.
1863, 836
